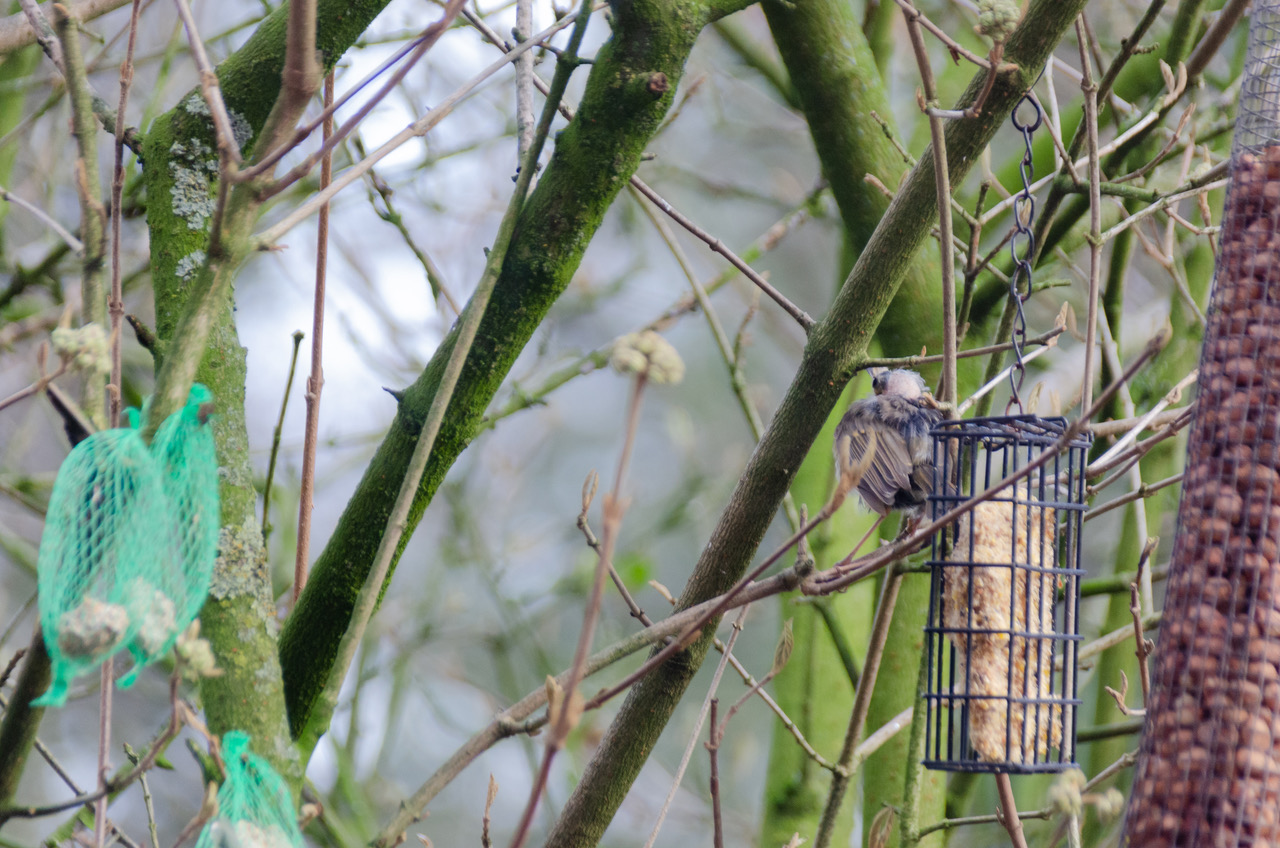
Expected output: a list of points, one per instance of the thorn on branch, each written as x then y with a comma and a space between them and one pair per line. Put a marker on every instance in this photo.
146, 337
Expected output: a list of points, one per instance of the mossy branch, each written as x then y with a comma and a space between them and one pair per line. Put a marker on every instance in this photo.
192, 291
594, 158
89, 189
833, 71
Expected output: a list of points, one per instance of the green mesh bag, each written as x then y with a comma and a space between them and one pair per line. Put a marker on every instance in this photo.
184, 452
255, 809
108, 521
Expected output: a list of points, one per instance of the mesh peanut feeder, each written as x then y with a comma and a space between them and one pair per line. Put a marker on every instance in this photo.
1003, 622
108, 522
1208, 772
129, 543
184, 452
255, 809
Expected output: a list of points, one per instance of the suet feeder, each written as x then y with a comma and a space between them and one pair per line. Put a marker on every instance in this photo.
1003, 625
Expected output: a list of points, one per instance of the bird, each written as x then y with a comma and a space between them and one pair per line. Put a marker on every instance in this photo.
900, 414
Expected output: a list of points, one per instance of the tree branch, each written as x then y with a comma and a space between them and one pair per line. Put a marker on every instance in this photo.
835, 346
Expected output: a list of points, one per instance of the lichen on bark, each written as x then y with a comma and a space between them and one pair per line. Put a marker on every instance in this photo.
180, 178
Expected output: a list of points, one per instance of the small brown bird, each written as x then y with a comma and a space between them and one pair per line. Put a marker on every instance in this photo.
900, 414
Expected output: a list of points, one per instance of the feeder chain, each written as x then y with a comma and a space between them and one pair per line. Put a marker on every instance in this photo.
1022, 246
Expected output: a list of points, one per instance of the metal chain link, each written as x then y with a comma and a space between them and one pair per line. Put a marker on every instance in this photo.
1022, 247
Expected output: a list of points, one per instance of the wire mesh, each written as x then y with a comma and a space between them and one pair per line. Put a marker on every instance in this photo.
255, 809
1209, 768
1003, 612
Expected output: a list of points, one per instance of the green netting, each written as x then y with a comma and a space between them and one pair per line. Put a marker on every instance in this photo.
255, 809
129, 544
184, 450
108, 517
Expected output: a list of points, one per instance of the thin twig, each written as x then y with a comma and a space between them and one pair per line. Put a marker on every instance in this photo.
1048, 339
1144, 491
861, 704
1121, 697
178, 715
1160, 205
849, 478
1169, 145
35, 387
708, 704
1136, 452
749, 680
115, 303
209, 88
44, 35
1173, 396
106, 681
423, 125
1142, 648
315, 381
1009, 811
1090, 90
713, 747
789, 725
435, 279
974, 109
146, 787
486, 841
524, 80
275, 439
728, 350
915, 15
942, 176
93, 217
1120, 426
716, 245
592, 542
567, 715
1105, 642
880, 737
44, 218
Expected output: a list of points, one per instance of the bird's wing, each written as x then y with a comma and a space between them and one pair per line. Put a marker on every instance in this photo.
890, 469
922, 477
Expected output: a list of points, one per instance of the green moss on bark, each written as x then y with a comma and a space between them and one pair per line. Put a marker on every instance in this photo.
594, 158
181, 167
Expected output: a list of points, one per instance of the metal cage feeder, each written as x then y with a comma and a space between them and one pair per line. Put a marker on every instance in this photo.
1003, 628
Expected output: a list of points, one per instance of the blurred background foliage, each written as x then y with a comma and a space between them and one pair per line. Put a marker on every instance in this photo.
487, 600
